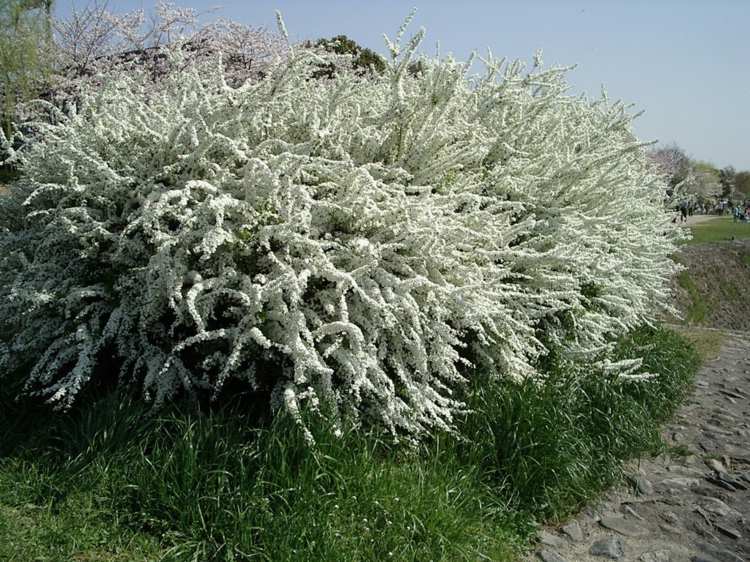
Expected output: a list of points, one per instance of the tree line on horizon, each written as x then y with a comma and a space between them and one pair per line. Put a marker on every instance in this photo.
700, 180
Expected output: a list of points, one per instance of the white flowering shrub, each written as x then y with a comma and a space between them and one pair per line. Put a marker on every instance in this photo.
347, 242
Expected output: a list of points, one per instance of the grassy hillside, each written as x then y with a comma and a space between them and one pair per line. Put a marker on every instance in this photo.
714, 290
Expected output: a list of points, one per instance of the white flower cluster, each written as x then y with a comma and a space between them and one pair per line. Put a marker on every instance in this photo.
344, 244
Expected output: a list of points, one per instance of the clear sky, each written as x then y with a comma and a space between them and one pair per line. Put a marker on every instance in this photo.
685, 62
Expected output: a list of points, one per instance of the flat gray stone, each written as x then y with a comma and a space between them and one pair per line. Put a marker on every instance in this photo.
721, 483
707, 491
716, 466
573, 530
656, 556
721, 417
630, 511
643, 486
719, 553
718, 507
728, 531
682, 470
704, 530
623, 526
736, 483
683, 482
550, 556
711, 428
548, 539
703, 513
673, 500
670, 529
609, 547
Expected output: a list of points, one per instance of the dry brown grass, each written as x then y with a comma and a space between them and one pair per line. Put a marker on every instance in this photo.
706, 341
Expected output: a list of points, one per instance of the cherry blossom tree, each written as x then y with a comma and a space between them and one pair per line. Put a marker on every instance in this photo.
672, 162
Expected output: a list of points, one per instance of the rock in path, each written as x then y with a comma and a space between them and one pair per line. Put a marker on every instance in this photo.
656, 556
573, 530
550, 556
643, 486
548, 539
610, 547
623, 526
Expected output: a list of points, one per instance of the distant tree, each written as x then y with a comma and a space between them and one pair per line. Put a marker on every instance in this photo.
89, 34
25, 37
416, 68
726, 181
706, 183
672, 162
705, 167
362, 59
742, 183
93, 40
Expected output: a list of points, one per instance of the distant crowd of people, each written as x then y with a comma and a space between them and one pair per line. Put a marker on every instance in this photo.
740, 212
687, 209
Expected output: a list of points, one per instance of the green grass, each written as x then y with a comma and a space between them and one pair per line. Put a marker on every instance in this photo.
207, 488
110, 482
719, 229
697, 309
77, 527
553, 447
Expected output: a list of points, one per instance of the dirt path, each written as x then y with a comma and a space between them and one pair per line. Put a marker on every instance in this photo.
691, 506
697, 219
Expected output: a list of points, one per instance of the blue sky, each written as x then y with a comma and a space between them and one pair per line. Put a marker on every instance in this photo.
685, 62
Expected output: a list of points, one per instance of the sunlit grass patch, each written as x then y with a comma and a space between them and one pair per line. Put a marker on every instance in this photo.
74, 526
706, 342
718, 230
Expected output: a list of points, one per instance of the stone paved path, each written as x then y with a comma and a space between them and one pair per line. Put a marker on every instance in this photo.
692, 507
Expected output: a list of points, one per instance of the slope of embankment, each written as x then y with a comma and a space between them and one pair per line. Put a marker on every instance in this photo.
714, 289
